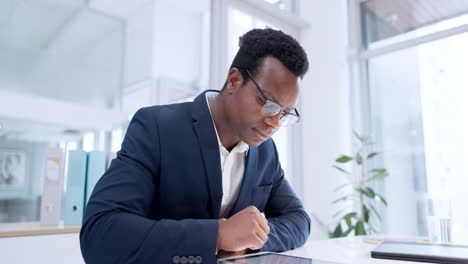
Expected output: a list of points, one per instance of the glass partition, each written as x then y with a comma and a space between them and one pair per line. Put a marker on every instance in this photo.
60, 62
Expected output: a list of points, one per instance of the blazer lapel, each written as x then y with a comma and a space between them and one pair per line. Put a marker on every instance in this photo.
204, 128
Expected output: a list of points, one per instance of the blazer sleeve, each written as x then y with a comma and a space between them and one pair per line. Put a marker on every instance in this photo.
117, 227
288, 221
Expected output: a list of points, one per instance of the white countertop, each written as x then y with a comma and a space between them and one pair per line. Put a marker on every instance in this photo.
65, 248
349, 250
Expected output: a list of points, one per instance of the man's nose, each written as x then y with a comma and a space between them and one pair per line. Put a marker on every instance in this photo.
274, 121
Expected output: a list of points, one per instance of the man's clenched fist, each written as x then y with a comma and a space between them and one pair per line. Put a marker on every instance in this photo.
246, 229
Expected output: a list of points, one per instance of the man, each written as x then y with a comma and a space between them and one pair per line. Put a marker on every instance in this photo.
193, 179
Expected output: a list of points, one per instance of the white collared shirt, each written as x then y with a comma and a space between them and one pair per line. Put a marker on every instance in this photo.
232, 166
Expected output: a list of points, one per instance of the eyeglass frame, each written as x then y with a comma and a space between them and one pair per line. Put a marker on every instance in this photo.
267, 100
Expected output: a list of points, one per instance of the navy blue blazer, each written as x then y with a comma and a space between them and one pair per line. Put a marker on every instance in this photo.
160, 199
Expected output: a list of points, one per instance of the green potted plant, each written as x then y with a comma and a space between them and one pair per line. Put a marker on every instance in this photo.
358, 190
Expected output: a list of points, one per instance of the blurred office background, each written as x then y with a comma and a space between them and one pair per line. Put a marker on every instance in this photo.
73, 72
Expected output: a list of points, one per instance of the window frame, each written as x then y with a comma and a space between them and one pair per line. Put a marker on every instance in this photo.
358, 57
285, 19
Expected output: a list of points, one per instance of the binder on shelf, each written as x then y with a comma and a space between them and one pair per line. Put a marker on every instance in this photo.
75, 193
95, 169
51, 203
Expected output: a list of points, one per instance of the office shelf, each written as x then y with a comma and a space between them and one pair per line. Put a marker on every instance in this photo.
34, 229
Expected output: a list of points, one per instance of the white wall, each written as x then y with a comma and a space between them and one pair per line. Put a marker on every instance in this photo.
178, 41
325, 104
139, 31
167, 52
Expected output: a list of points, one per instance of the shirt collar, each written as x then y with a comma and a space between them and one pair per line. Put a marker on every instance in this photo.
241, 146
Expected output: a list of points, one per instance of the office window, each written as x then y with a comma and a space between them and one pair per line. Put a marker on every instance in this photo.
239, 23
88, 141
282, 4
416, 86
383, 19
116, 141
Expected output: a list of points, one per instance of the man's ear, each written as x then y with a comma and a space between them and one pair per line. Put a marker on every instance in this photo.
234, 81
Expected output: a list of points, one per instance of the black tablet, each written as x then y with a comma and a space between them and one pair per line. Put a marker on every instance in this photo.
423, 252
270, 258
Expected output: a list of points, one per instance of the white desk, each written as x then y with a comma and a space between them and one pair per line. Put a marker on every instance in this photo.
350, 250
65, 248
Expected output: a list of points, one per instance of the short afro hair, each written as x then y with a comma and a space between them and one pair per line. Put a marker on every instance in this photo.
257, 44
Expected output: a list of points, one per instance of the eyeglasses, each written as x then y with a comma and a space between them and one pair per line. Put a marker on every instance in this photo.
271, 108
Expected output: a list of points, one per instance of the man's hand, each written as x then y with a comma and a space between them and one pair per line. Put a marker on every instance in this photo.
246, 229
226, 254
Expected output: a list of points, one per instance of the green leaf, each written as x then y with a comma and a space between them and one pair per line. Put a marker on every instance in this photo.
341, 199
379, 170
341, 169
348, 218
367, 192
382, 199
366, 213
380, 176
359, 229
370, 192
373, 154
358, 158
338, 231
375, 212
361, 191
362, 139
343, 159
348, 221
